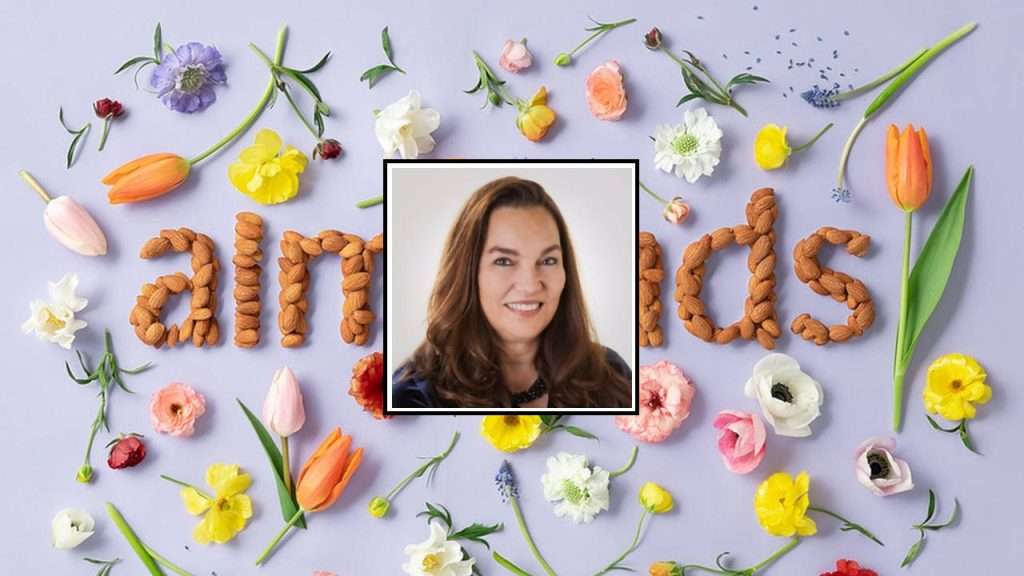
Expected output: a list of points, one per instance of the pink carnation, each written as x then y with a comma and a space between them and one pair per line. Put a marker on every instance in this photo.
175, 408
741, 440
665, 396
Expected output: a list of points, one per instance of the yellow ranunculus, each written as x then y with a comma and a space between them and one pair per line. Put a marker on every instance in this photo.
226, 511
770, 147
655, 499
265, 176
956, 382
535, 118
665, 569
781, 504
510, 433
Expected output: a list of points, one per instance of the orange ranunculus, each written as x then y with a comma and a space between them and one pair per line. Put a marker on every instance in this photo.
146, 178
908, 167
535, 118
606, 94
324, 476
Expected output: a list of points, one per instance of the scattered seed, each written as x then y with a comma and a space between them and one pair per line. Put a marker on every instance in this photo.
819, 38
794, 44
700, 17
846, 32
779, 52
790, 88
750, 67
784, 95
791, 30
851, 86
747, 52
758, 61
777, 36
842, 75
755, 6
725, 56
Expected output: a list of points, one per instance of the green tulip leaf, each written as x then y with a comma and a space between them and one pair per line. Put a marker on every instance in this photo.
288, 504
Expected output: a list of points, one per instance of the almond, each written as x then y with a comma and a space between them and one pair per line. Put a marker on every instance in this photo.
689, 283
154, 247
158, 298
213, 334
858, 291
646, 294
246, 293
154, 333
649, 321
744, 234
289, 319
647, 239
647, 258
247, 338
172, 336
859, 245
310, 246
346, 332
251, 308
761, 312
655, 337
364, 317
355, 281
249, 217
839, 333
293, 340
243, 261
762, 291
293, 252
727, 334
765, 339
202, 253
204, 276
185, 334
764, 223
693, 305
354, 301
296, 274
351, 249
837, 236
747, 328
697, 252
247, 276
352, 265
174, 282
376, 244
368, 261
249, 231
332, 243
765, 267
721, 238
654, 275
292, 236
699, 327
200, 297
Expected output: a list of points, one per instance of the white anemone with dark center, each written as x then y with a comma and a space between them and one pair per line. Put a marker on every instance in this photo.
790, 399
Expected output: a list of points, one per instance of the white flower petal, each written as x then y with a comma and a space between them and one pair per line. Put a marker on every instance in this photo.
71, 527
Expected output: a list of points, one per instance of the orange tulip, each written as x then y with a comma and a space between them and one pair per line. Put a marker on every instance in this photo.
908, 167
146, 178
324, 476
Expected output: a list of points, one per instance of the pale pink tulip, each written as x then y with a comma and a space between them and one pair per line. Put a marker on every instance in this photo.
741, 440
515, 56
283, 411
73, 227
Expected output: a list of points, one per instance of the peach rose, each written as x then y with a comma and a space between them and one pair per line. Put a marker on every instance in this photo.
175, 408
606, 94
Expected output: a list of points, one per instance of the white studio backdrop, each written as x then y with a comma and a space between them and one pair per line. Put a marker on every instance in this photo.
598, 204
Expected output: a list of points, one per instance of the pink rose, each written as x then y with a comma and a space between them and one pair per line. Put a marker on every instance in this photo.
175, 408
665, 396
741, 440
881, 472
606, 94
515, 56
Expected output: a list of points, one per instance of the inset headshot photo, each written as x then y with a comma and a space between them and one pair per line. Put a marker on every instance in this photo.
511, 286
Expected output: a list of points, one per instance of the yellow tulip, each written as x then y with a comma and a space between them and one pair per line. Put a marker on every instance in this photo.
146, 178
781, 504
511, 433
264, 175
655, 499
908, 167
956, 382
535, 118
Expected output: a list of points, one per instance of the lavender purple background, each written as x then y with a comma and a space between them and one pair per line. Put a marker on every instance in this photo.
62, 53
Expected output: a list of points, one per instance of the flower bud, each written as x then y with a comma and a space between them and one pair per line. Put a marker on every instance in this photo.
328, 149
283, 410
84, 474
379, 507
563, 59
107, 107
655, 499
74, 227
666, 569
126, 452
653, 39
676, 211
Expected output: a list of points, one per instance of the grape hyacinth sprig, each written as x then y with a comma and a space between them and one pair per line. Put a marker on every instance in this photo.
505, 481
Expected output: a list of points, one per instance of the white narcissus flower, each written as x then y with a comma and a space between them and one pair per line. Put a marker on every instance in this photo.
71, 527
405, 127
790, 399
581, 492
881, 472
55, 321
690, 149
437, 556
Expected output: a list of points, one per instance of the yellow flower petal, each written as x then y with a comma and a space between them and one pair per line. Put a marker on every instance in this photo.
224, 524
510, 433
269, 140
218, 474
240, 173
770, 147
241, 504
195, 503
201, 533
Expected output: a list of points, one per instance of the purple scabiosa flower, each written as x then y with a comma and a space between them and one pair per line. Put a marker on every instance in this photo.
506, 483
185, 78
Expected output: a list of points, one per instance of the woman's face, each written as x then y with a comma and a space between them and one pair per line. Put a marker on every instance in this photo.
521, 273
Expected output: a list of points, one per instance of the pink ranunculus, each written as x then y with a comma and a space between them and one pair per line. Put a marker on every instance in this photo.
283, 410
515, 56
606, 93
665, 396
175, 408
741, 440
676, 211
72, 226
879, 471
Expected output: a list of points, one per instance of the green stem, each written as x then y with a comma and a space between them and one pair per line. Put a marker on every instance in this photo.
778, 554
277, 539
370, 202
106, 130
628, 465
166, 563
35, 185
603, 29
811, 142
633, 546
187, 485
878, 81
901, 360
653, 195
85, 472
286, 464
841, 176
847, 525
298, 112
419, 471
508, 564
133, 540
529, 539
260, 106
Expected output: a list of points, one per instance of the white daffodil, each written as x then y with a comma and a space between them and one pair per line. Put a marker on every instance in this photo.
437, 556
790, 399
71, 527
55, 321
405, 127
690, 149
581, 492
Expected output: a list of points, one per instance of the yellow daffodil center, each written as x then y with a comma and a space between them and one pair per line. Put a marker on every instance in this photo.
431, 561
685, 144
53, 323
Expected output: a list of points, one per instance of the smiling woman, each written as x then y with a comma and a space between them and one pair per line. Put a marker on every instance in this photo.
507, 324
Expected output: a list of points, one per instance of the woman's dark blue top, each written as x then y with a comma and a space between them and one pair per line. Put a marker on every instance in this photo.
419, 393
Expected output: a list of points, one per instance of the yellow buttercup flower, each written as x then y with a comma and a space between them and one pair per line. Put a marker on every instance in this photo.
655, 499
226, 511
264, 175
956, 382
535, 118
770, 147
781, 504
511, 433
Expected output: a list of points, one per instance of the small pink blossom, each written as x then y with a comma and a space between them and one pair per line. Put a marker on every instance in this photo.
665, 396
741, 440
515, 56
879, 471
175, 408
676, 211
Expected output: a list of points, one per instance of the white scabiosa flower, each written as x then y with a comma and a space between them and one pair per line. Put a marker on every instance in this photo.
790, 399
581, 492
55, 321
405, 127
690, 149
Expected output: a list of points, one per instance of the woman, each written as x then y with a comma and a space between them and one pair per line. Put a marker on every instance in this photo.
507, 325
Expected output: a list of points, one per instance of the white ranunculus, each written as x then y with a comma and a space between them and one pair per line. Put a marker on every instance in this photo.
691, 149
405, 128
581, 492
437, 555
71, 527
55, 321
790, 399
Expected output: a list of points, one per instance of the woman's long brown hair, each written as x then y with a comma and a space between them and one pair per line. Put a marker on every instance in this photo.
461, 353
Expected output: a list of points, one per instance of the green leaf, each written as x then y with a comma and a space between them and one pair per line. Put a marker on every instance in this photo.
965, 438
940, 428
913, 553
316, 66
579, 432
934, 265
373, 75
476, 533
385, 41
288, 505
133, 62
71, 148
952, 517
687, 98
439, 512
550, 420
931, 506
158, 42
305, 82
